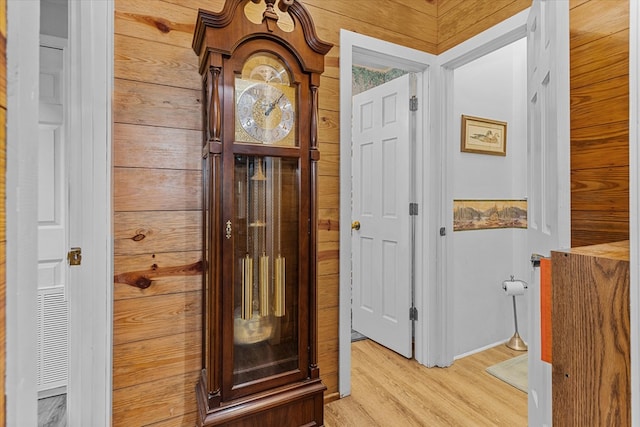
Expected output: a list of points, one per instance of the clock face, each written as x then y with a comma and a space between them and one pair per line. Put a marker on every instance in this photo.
265, 102
265, 113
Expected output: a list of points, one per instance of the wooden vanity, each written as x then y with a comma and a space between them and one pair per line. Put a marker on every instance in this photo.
591, 335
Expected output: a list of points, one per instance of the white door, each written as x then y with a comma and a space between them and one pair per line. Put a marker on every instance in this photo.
381, 246
52, 225
549, 170
91, 319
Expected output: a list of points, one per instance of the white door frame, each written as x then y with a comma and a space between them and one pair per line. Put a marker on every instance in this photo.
496, 37
90, 286
634, 204
91, 45
22, 216
352, 47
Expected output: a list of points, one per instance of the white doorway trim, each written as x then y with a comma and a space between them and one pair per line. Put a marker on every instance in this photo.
496, 37
90, 292
353, 49
91, 30
634, 205
22, 222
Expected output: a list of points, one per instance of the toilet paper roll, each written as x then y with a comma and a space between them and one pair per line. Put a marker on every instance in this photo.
513, 287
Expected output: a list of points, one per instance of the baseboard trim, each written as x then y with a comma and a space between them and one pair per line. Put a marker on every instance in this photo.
328, 398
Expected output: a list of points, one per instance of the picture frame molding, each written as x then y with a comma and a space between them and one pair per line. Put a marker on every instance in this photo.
469, 146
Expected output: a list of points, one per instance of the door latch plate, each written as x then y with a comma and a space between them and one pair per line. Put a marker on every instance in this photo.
74, 256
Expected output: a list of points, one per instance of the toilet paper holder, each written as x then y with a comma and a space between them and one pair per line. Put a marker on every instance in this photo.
515, 287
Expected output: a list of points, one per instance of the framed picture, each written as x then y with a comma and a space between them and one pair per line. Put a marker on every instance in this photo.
483, 136
487, 214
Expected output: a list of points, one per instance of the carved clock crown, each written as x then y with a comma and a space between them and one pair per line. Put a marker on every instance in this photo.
269, 12
223, 31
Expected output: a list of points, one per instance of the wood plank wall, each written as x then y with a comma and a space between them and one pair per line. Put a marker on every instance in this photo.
156, 179
599, 121
156, 218
3, 218
459, 20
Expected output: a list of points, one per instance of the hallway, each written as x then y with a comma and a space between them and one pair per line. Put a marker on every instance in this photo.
389, 390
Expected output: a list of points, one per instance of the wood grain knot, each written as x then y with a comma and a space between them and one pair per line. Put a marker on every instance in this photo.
138, 237
145, 278
143, 282
162, 26
326, 225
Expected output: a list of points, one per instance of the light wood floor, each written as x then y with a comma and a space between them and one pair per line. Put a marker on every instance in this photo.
389, 390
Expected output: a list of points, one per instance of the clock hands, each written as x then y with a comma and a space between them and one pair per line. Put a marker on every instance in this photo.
265, 113
272, 105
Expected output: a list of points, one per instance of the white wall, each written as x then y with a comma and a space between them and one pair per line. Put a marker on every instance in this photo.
493, 87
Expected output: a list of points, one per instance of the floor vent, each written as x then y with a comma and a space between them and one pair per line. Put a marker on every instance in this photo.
52, 338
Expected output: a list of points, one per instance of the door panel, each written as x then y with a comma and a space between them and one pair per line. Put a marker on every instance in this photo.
381, 248
549, 180
52, 225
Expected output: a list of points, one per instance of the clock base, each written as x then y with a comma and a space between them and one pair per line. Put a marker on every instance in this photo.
292, 405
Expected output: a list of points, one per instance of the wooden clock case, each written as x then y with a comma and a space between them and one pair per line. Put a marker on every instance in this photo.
275, 392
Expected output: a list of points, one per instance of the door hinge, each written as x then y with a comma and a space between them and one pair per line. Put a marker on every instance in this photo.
413, 313
413, 103
74, 256
535, 259
413, 209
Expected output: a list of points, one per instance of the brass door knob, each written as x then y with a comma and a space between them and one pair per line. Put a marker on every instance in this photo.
355, 225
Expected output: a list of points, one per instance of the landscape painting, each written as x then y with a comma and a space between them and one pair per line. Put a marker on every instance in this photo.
489, 214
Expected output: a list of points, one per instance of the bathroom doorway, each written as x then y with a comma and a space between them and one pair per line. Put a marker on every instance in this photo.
434, 332
359, 53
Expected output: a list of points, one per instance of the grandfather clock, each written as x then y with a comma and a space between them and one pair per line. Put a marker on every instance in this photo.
260, 75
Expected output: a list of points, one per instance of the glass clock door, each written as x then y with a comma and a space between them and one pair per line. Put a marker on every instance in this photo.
266, 211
